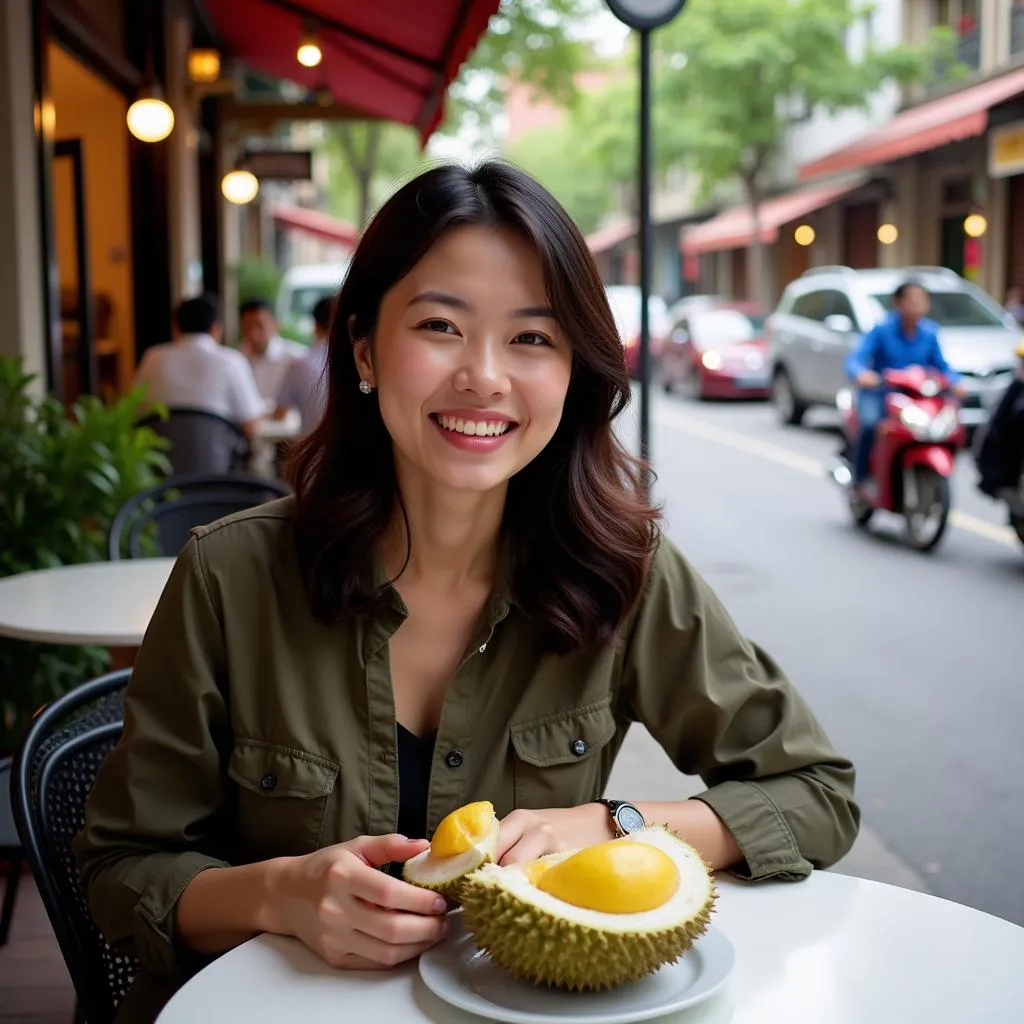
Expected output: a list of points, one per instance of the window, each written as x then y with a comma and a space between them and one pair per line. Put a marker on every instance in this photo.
810, 306
837, 303
954, 309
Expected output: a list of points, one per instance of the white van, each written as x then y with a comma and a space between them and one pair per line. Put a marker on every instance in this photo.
301, 289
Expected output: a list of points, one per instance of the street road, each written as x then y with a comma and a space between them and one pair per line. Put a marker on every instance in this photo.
913, 662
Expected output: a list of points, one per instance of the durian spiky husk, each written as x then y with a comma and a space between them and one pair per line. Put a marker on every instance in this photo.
546, 942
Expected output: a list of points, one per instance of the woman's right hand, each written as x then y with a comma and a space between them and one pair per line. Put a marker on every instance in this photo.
353, 915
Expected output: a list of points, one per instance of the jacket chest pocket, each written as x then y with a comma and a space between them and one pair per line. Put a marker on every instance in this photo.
282, 797
558, 759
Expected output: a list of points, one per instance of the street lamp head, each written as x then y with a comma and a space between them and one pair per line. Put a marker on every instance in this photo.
645, 15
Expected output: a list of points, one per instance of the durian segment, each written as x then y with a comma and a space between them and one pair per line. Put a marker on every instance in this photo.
472, 830
545, 941
614, 877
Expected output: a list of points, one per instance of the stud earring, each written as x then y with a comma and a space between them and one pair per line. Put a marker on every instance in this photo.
365, 387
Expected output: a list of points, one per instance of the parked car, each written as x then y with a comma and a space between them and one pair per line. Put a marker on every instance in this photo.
827, 310
688, 303
718, 352
624, 300
302, 287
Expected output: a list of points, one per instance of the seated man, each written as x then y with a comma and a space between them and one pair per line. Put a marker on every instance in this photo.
1000, 443
304, 387
268, 353
197, 371
904, 338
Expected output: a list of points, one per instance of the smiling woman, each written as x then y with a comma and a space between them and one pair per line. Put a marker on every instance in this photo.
467, 601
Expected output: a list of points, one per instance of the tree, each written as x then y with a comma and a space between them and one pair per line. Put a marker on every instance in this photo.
748, 70
535, 41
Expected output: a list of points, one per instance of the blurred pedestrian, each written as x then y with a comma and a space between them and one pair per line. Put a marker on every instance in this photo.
304, 387
196, 371
268, 353
1015, 304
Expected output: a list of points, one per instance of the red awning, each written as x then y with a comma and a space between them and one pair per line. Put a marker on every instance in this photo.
393, 59
734, 229
610, 236
961, 115
313, 222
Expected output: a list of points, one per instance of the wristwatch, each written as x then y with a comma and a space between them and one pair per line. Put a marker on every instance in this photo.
625, 817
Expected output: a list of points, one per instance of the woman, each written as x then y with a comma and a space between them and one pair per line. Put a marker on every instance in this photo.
467, 599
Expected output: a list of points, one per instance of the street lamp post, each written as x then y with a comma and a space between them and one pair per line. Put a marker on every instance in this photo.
644, 16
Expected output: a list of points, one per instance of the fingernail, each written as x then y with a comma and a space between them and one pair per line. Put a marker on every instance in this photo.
440, 905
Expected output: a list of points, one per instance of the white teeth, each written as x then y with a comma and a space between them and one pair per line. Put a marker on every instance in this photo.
474, 428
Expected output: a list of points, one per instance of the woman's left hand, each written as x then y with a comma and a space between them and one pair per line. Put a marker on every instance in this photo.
526, 835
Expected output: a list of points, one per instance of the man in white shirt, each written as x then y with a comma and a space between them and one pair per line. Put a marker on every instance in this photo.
196, 371
268, 353
305, 386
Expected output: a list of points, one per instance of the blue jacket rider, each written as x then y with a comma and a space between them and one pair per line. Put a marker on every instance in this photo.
904, 338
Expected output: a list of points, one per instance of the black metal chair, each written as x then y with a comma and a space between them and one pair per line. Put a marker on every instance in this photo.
54, 770
178, 504
200, 441
10, 851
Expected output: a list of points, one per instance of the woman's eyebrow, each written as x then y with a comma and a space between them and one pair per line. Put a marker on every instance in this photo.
444, 299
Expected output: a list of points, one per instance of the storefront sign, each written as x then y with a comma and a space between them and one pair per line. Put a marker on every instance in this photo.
1006, 150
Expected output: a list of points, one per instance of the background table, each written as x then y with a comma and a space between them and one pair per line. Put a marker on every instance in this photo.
830, 950
108, 604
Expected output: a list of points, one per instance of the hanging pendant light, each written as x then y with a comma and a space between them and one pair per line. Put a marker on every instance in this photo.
240, 186
309, 54
150, 118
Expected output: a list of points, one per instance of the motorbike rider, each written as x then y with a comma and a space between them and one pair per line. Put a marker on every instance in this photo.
1000, 445
904, 338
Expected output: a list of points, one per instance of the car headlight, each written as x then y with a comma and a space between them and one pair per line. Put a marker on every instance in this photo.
712, 360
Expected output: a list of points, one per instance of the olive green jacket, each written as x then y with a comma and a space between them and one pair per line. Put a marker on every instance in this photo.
253, 731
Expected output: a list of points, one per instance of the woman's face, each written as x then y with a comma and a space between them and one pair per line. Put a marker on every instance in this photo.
470, 367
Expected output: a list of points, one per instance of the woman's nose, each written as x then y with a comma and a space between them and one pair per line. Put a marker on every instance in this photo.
484, 369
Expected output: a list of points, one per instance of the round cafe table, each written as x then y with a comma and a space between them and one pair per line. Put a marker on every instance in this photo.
829, 950
106, 604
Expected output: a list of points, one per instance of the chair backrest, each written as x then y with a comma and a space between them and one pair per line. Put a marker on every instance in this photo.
54, 770
8, 833
201, 441
178, 504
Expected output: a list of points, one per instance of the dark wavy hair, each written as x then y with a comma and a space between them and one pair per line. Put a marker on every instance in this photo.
577, 520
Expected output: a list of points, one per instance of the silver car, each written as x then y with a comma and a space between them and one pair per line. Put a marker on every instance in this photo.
826, 311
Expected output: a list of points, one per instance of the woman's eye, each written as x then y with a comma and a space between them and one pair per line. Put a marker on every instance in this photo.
442, 326
531, 338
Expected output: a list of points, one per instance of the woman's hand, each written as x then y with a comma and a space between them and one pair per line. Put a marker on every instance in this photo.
341, 906
527, 835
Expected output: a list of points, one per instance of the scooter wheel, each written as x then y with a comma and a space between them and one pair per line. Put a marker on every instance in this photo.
925, 528
860, 512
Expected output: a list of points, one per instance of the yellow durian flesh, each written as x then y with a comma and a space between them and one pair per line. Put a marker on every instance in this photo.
462, 829
614, 878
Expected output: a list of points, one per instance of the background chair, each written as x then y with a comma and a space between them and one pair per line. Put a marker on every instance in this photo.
54, 770
201, 441
174, 507
10, 851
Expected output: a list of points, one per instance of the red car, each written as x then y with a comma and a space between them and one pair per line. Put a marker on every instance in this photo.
718, 352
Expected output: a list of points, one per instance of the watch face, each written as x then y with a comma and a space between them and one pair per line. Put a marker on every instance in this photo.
629, 818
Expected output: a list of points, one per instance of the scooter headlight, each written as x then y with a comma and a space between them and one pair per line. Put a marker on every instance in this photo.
916, 420
945, 424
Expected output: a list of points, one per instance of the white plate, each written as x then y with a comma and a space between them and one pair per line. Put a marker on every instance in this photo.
457, 972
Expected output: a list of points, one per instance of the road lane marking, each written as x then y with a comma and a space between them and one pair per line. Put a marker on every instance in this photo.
771, 452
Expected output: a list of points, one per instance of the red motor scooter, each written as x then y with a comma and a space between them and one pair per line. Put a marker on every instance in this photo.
912, 457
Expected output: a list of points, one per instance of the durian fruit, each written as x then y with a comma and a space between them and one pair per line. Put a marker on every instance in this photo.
594, 918
465, 839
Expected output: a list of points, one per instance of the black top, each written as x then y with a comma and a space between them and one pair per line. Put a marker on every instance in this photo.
415, 754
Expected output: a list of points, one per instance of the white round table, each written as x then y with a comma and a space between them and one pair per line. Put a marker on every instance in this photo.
285, 429
829, 950
108, 604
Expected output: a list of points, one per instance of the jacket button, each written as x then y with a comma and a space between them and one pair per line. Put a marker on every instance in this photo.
579, 747
269, 781
453, 758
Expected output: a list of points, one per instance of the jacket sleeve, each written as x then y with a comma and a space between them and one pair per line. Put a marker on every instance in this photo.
151, 819
862, 357
722, 709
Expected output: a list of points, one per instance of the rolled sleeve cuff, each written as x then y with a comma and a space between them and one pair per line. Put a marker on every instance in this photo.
157, 946
765, 839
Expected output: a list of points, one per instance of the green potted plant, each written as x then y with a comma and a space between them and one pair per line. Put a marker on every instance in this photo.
62, 479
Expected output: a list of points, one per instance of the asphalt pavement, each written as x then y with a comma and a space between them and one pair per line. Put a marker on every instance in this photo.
913, 662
